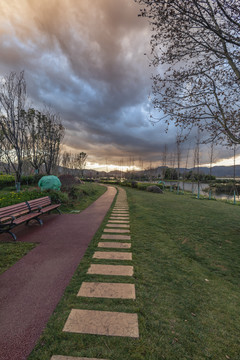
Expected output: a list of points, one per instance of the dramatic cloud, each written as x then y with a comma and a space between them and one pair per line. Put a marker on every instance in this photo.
86, 59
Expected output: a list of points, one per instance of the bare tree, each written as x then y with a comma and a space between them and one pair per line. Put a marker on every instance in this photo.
178, 145
54, 133
197, 43
12, 119
80, 162
164, 161
5, 153
211, 158
36, 138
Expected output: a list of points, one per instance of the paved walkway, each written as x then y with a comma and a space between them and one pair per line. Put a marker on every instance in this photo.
31, 289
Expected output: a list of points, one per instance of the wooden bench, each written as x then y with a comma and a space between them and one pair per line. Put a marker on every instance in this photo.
14, 215
43, 205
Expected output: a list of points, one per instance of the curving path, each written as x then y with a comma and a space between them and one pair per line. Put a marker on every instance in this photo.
31, 289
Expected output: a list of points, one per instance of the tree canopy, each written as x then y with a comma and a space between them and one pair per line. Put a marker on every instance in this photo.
195, 46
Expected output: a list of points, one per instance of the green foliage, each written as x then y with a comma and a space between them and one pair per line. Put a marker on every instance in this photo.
171, 174
226, 188
6, 180
194, 176
11, 198
56, 196
9, 180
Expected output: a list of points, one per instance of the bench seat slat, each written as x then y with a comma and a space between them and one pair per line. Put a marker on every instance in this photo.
49, 208
24, 218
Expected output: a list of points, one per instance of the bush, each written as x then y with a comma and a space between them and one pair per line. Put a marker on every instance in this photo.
155, 189
142, 186
9, 180
56, 196
67, 181
134, 184
6, 180
11, 198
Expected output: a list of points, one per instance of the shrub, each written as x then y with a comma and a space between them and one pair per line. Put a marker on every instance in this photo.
142, 186
6, 180
56, 196
155, 189
134, 184
11, 198
68, 181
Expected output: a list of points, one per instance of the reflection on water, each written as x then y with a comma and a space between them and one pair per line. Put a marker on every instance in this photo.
193, 187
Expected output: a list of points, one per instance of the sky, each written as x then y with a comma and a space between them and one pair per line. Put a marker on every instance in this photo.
85, 58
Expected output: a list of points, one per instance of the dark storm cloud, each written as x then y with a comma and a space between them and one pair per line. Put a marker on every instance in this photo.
86, 59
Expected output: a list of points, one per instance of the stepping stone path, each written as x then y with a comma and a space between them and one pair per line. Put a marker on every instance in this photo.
107, 323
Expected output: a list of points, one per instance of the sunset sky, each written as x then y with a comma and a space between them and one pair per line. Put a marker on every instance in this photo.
86, 59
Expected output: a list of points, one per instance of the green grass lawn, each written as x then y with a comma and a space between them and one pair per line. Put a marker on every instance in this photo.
186, 270
12, 252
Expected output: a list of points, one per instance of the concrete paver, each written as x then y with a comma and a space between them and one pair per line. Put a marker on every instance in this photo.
107, 290
117, 231
112, 255
115, 270
116, 221
114, 245
102, 323
118, 225
116, 237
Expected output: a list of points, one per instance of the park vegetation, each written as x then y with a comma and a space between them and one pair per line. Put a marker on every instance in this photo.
195, 49
27, 135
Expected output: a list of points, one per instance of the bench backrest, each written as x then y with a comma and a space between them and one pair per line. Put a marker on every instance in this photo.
36, 204
13, 210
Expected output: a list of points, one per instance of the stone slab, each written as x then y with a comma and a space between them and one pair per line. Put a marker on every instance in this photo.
117, 231
107, 290
118, 214
119, 221
118, 270
121, 208
117, 225
102, 323
115, 237
60, 357
116, 245
112, 255
119, 218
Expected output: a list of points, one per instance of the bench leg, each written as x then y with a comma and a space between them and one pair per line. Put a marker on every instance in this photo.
12, 234
37, 219
59, 211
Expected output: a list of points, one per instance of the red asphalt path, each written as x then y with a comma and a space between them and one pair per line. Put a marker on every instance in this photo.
31, 289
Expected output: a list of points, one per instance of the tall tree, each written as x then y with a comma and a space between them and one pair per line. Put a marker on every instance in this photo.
54, 133
80, 160
36, 138
196, 44
12, 119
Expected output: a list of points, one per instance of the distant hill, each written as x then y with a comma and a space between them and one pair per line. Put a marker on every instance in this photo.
222, 171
